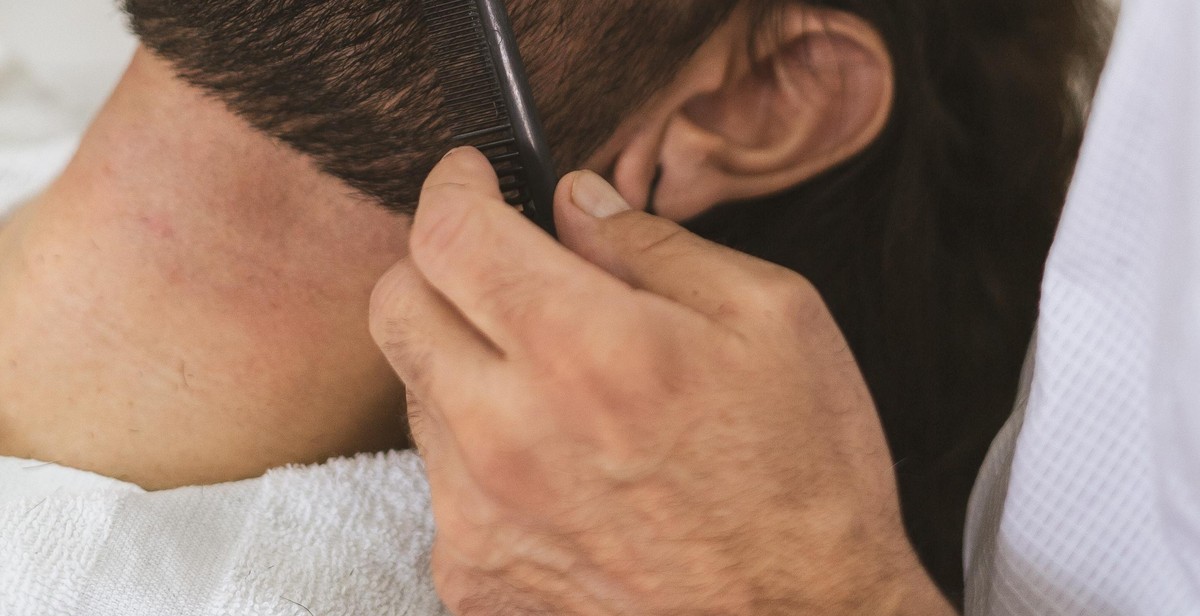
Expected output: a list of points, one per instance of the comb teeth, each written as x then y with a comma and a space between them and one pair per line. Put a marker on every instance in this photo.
472, 99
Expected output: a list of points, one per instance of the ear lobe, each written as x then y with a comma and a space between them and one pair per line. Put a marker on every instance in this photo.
734, 128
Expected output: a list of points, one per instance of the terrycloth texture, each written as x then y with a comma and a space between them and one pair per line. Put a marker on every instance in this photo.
26, 480
1090, 502
351, 537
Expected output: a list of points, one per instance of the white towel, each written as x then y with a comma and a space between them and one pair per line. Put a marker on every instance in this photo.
349, 537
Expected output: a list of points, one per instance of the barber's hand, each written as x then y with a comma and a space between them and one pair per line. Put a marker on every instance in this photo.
650, 424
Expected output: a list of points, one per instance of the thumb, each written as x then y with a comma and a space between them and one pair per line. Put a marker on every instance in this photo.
656, 255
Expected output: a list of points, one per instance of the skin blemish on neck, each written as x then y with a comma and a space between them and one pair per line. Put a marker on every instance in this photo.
158, 226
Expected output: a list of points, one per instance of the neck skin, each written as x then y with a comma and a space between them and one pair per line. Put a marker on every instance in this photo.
187, 304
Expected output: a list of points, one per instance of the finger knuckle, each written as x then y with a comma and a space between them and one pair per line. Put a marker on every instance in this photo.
545, 327
657, 240
507, 293
725, 352
787, 296
437, 189
389, 296
627, 367
444, 231
409, 359
496, 464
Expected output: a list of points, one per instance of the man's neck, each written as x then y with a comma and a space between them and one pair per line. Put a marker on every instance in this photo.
188, 302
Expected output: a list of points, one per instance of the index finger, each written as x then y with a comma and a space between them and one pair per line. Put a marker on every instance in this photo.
506, 276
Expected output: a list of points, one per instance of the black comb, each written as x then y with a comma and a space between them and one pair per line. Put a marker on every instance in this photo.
487, 101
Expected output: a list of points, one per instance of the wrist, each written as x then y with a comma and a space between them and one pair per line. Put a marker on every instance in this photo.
879, 577
902, 586
912, 592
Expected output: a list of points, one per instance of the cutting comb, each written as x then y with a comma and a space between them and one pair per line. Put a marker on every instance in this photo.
487, 100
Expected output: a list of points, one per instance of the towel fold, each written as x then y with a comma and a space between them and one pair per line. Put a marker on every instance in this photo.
350, 537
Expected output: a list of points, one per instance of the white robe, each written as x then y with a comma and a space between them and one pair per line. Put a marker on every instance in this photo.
1090, 501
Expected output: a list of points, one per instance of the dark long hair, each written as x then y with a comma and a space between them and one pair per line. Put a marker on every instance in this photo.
929, 247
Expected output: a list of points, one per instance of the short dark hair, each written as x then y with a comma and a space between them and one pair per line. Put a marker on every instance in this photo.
350, 82
928, 247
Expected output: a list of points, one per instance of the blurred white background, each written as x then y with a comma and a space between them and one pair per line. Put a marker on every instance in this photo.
59, 59
75, 47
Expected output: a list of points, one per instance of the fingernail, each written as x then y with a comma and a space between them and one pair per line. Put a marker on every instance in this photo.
596, 197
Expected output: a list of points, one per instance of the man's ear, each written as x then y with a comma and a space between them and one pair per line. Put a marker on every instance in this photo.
754, 113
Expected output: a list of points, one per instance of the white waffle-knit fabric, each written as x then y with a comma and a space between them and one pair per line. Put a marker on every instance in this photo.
1090, 501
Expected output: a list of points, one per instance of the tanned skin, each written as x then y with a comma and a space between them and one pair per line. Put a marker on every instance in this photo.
186, 303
